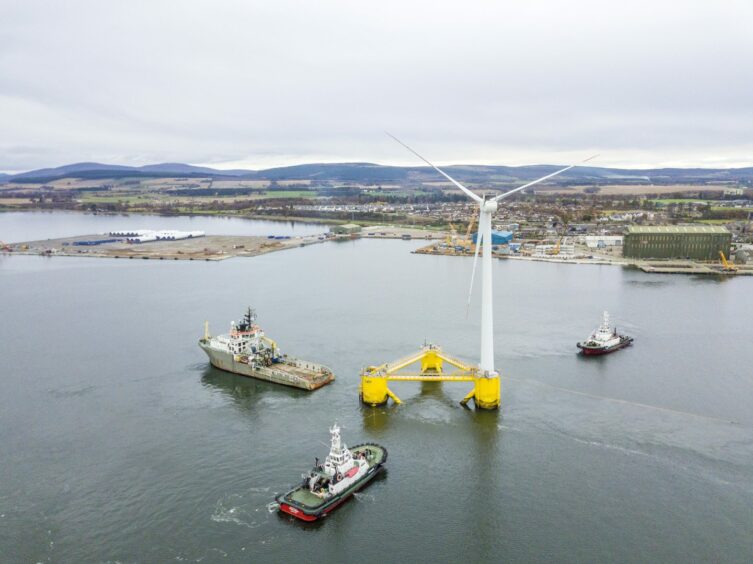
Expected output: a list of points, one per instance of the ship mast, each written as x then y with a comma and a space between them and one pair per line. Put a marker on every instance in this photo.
605, 322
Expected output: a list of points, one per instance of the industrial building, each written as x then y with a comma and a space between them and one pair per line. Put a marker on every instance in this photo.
699, 242
148, 235
562, 249
498, 237
602, 241
347, 229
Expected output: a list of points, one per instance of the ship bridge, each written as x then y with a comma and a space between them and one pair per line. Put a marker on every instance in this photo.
430, 364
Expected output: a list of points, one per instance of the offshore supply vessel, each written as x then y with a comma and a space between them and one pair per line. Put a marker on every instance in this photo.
327, 485
246, 350
604, 340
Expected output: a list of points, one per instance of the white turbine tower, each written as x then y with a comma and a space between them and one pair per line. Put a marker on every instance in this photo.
487, 206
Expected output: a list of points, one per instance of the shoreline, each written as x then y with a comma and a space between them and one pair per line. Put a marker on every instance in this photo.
277, 219
221, 247
206, 248
251, 217
668, 266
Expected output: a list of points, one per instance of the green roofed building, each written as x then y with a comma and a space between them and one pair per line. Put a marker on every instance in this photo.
347, 229
699, 242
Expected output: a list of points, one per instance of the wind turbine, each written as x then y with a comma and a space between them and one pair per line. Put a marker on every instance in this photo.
487, 206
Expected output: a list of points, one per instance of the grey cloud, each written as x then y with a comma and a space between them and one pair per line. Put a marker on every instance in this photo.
273, 83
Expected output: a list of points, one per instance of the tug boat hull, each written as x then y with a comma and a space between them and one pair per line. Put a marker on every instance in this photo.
604, 340
304, 505
596, 351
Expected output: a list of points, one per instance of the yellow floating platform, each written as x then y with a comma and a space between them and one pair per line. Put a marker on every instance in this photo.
373, 389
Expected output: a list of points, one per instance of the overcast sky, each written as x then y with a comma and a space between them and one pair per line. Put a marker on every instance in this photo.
256, 84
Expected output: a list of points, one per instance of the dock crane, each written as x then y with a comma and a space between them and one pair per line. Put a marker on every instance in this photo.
452, 236
454, 232
726, 265
468, 241
556, 249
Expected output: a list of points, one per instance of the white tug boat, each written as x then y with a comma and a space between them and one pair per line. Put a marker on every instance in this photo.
246, 350
326, 486
604, 340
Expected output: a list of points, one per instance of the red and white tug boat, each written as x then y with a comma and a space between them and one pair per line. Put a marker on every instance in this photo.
326, 486
604, 340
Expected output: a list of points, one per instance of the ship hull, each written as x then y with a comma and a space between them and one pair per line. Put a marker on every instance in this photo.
308, 513
598, 351
294, 372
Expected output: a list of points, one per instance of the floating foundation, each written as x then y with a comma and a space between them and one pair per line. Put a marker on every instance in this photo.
373, 389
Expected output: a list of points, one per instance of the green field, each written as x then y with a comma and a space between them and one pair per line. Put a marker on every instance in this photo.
667, 201
720, 208
133, 198
281, 194
107, 198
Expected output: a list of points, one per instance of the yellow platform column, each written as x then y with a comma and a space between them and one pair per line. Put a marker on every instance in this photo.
487, 392
373, 390
430, 362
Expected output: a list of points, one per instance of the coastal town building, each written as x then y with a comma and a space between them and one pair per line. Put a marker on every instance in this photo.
700, 242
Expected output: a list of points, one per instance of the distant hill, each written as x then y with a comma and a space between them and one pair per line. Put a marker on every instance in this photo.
347, 172
99, 170
69, 170
178, 168
369, 173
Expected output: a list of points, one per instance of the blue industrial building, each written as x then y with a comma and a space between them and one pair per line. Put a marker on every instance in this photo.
498, 237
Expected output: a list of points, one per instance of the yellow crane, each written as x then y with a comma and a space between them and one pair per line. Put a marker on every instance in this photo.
452, 236
468, 241
556, 249
726, 265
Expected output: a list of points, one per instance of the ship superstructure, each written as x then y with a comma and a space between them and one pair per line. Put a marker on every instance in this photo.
246, 350
604, 340
339, 471
247, 339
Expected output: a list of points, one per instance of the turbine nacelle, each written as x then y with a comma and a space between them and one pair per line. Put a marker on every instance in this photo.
488, 206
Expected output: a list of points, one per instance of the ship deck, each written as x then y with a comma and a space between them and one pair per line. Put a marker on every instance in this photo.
299, 371
380, 453
305, 498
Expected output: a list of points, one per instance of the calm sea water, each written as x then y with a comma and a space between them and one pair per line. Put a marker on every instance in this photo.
120, 443
16, 227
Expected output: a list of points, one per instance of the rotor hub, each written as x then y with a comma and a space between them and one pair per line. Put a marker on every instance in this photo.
488, 206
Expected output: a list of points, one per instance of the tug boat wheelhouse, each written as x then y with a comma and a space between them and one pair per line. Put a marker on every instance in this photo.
604, 340
327, 485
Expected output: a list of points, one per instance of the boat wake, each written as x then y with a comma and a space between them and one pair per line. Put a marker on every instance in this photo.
715, 450
232, 509
434, 411
259, 490
71, 392
364, 497
607, 446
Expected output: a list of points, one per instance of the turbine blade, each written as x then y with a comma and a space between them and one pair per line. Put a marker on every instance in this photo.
479, 238
439, 170
519, 188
